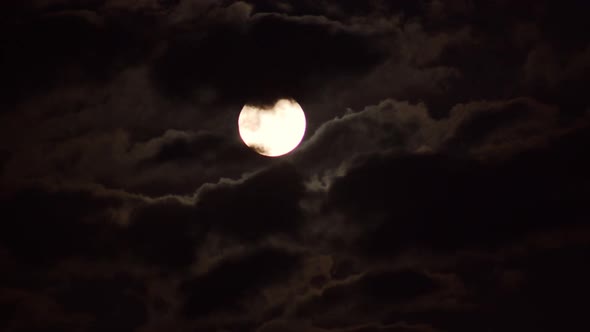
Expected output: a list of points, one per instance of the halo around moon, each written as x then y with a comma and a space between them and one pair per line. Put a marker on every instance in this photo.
272, 131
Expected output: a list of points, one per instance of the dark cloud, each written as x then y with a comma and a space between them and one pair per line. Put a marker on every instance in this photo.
180, 150
46, 51
388, 286
35, 312
263, 204
485, 129
477, 128
442, 184
538, 290
389, 194
232, 280
392, 328
206, 148
372, 293
116, 304
492, 65
333, 9
268, 57
196, 155
500, 128
553, 277
43, 226
165, 234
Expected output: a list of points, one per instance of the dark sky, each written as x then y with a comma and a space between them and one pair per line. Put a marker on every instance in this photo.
442, 184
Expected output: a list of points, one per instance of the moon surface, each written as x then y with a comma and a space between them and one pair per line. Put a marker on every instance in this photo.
273, 131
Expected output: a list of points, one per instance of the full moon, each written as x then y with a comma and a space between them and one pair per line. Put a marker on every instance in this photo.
272, 131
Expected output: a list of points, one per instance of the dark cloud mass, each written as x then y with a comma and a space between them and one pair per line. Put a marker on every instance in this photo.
442, 184
221, 290
286, 56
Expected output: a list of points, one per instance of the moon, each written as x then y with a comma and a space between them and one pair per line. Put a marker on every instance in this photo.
272, 131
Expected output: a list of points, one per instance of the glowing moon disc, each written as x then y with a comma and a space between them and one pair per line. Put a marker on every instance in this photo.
273, 131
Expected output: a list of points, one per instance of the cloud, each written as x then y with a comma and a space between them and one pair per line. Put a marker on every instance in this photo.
555, 76
390, 124
165, 234
286, 325
44, 226
479, 129
75, 45
427, 200
232, 58
117, 303
368, 296
41, 311
400, 327
226, 285
263, 204
115, 160
490, 129
442, 184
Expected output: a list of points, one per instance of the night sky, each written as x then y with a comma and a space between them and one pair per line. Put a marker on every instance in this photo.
442, 184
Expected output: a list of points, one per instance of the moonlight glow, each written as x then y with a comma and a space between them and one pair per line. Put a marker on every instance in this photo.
274, 131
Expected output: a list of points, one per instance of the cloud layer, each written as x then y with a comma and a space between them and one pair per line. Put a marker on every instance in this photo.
442, 184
